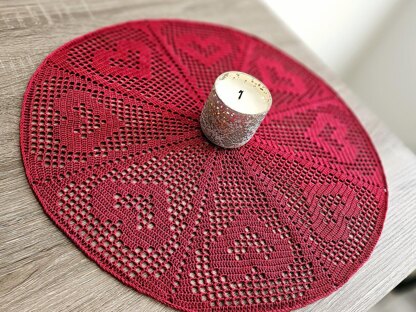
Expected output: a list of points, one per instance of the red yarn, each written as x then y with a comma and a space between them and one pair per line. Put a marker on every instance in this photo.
112, 148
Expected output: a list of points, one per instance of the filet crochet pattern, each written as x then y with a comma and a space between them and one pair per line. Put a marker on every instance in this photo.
113, 150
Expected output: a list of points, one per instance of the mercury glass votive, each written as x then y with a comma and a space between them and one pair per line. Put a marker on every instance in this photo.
234, 110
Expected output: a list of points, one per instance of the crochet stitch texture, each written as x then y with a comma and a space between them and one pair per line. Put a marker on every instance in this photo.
112, 148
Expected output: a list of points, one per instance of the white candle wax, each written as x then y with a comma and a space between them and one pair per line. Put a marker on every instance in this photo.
242, 93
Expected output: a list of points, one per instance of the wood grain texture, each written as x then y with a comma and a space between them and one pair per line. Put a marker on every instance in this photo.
41, 270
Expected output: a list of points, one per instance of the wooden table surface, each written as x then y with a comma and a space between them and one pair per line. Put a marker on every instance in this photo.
41, 270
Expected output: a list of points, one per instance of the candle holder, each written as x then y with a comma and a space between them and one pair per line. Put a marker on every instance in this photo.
234, 110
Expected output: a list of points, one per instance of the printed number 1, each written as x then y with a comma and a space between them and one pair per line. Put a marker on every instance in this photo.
241, 93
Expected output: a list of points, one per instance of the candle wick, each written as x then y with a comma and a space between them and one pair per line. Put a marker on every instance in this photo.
241, 93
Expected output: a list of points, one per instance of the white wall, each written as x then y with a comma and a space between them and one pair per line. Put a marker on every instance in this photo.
371, 44
336, 30
385, 76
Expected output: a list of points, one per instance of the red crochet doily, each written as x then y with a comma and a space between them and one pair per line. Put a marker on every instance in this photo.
113, 149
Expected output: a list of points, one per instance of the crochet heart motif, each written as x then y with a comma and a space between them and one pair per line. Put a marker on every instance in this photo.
113, 150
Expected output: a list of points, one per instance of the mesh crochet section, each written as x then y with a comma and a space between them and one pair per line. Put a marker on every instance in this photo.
112, 148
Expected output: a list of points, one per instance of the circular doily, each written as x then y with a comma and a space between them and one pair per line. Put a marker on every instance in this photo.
112, 148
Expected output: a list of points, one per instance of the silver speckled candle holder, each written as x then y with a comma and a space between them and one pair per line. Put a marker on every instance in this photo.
234, 110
